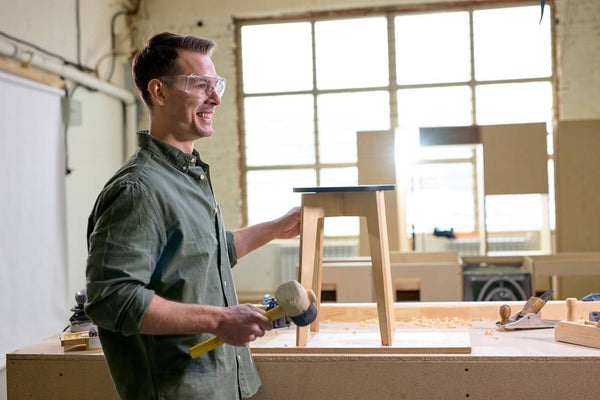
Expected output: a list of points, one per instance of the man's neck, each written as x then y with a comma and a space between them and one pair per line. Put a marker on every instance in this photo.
170, 137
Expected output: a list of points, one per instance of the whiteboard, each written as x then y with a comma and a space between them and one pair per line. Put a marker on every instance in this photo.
33, 262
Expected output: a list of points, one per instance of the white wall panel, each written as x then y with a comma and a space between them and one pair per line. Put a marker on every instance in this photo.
33, 269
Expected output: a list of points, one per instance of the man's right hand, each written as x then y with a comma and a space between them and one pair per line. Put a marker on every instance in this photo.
237, 325
240, 325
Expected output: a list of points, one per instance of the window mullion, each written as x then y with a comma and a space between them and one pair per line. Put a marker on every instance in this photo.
315, 108
393, 84
472, 82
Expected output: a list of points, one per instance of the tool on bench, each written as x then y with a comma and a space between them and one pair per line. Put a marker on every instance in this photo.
81, 333
79, 321
294, 301
271, 302
529, 317
594, 316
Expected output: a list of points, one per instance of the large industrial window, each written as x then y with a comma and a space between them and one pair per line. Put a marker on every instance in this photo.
309, 85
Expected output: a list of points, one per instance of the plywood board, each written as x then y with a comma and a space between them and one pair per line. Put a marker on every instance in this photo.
354, 339
377, 166
577, 170
515, 159
577, 189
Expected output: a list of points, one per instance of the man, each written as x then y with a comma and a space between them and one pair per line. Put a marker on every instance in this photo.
159, 266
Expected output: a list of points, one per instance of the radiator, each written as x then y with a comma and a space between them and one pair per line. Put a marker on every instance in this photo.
470, 246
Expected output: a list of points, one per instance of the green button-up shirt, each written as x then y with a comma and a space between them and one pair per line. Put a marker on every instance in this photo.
157, 228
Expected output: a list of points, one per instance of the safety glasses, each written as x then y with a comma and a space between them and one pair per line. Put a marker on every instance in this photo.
202, 86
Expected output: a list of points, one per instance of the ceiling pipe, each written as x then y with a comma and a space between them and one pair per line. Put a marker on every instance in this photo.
73, 74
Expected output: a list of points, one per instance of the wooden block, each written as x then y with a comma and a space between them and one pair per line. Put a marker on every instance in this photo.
468, 310
72, 341
571, 309
578, 333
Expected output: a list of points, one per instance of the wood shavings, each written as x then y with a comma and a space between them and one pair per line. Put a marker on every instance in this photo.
491, 332
369, 321
446, 322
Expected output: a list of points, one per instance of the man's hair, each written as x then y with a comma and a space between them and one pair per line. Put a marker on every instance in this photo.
158, 57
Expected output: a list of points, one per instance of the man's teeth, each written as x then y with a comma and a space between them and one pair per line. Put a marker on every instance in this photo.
204, 115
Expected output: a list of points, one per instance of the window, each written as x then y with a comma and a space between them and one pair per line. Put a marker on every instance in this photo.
310, 85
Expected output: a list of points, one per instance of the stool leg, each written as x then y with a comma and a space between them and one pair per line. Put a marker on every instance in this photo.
318, 275
309, 244
380, 260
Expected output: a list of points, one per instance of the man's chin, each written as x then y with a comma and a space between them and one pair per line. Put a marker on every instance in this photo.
204, 133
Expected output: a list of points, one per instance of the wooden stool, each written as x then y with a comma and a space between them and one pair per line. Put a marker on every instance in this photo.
361, 201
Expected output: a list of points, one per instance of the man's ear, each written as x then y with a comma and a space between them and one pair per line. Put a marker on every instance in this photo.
156, 90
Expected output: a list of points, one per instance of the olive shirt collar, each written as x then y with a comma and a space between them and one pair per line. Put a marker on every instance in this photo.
180, 160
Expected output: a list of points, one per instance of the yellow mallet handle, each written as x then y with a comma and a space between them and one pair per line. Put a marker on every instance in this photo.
214, 342
205, 346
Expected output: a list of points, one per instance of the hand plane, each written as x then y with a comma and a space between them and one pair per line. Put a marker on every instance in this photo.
529, 317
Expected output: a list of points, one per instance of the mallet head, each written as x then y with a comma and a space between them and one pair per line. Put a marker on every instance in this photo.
297, 303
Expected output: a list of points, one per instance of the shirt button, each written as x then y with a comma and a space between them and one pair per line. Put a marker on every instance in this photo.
239, 357
202, 177
224, 283
193, 160
184, 168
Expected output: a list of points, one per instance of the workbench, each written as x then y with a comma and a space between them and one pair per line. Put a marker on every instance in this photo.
503, 365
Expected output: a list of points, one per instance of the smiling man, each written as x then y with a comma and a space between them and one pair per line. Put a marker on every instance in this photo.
159, 265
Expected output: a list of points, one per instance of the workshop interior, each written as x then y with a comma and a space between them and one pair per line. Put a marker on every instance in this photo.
445, 154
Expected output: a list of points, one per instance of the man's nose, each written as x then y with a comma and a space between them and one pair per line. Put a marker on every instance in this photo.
213, 98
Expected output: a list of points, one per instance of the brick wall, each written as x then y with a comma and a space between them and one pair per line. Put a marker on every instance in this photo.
577, 26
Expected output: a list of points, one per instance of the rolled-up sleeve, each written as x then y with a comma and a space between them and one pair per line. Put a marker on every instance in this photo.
124, 241
231, 252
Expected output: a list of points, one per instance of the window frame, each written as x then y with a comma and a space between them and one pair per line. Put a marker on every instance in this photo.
392, 88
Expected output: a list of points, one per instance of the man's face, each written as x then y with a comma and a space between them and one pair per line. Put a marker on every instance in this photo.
191, 116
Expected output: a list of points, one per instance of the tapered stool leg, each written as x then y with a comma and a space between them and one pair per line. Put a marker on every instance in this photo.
318, 272
311, 244
380, 261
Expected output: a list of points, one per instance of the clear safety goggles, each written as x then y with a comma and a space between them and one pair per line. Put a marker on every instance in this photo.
202, 86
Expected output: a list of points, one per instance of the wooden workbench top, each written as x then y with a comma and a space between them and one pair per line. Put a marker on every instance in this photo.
486, 342
356, 323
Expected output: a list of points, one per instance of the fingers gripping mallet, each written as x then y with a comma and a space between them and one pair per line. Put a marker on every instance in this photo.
294, 301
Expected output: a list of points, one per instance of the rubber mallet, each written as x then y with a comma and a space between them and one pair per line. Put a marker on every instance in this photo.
294, 301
